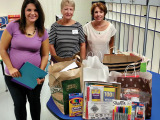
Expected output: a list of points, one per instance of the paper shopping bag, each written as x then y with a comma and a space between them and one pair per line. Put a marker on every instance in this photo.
63, 83
119, 62
56, 59
140, 87
94, 70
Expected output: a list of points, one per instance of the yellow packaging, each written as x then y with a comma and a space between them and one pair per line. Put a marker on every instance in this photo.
75, 104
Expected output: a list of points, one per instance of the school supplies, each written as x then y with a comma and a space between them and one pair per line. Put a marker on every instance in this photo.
138, 110
29, 73
122, 112
98, 99
75, 104
109, 93
100, 110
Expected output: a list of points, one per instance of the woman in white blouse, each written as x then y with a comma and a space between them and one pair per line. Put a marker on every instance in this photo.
99, 33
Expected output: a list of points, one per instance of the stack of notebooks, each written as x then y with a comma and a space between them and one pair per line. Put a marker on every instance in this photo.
29, 73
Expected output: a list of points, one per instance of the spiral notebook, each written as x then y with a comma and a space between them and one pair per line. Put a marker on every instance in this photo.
29, 74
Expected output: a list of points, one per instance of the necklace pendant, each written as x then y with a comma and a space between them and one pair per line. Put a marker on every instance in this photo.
29, 34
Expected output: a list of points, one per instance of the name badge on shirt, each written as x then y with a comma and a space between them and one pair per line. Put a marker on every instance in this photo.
74, 31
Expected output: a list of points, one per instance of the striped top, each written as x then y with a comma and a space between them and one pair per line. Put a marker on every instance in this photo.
66, 39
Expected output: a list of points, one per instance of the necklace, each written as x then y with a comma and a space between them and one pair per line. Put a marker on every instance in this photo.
29, 34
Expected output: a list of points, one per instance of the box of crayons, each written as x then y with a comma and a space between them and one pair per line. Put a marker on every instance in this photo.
75, 104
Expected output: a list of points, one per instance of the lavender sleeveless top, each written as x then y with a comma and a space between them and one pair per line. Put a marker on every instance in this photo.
22, 48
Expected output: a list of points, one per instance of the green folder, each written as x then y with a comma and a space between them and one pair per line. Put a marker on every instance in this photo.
29, 73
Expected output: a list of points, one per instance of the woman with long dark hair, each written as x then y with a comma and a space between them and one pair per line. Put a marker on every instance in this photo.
25, 40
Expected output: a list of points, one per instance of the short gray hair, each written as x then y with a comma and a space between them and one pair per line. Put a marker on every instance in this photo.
67, 2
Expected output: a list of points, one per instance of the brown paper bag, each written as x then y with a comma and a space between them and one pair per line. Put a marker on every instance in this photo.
119, 62
63, 83
56, 59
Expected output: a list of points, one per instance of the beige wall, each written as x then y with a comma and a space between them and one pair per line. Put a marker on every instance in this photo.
51, 8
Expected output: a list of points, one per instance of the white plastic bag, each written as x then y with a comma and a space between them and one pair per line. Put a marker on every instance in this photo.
94, 70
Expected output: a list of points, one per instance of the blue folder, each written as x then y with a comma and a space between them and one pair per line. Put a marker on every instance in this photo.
29, 74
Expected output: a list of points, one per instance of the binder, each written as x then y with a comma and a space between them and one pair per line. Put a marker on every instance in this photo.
29, 74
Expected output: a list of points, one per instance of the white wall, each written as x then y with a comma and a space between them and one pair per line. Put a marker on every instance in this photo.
51, 8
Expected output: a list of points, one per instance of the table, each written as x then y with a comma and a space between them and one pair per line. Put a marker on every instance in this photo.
57, 113
155, 115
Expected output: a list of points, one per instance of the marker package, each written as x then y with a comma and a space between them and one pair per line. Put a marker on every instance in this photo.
75, 104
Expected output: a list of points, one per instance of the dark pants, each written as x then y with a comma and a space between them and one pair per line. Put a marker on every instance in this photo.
19, 95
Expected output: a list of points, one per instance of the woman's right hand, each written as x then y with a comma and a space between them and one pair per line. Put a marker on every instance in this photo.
14, 72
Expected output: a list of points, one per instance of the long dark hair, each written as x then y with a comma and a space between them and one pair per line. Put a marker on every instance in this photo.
39, 24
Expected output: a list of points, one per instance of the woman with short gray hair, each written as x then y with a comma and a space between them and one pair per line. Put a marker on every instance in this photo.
66, 37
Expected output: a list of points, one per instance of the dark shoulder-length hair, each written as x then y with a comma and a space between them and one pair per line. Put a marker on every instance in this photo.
39, 24
101, 6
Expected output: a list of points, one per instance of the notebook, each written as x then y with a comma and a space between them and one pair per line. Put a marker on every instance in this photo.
29, 73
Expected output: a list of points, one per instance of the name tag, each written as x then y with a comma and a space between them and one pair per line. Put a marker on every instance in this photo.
74, 31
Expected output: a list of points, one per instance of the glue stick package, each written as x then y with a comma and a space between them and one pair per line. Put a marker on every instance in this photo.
75, 104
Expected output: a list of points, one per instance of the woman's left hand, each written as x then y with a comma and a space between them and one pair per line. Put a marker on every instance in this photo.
40, 81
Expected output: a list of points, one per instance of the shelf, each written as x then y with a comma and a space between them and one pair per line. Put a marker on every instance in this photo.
133, 10
130, 38
114, 16
110, 6
149, 46
135, 39
156, 56
127, 19
157, 25
137, 20
141, 40
153, 30
133, 25
113, 20
134, 15
154, 18
132, 19
118, 17
142, 24
114, 7
138, 10
152, 11
123, 17
123, 8
126, 36
121, 36
116, 12
118, 7
128, 10
117, 35
158, 13
151, 24
110, 15
144, 11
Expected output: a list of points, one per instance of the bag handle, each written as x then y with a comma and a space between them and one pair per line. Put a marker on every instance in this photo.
118, 51
89, 53
92, 54
130, 65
